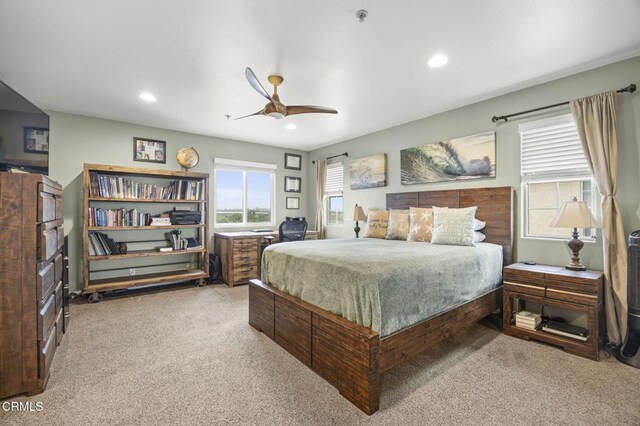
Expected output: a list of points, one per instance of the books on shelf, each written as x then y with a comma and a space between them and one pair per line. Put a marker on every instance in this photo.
117, 217
162, 220
528, 320
101, 245
111, 186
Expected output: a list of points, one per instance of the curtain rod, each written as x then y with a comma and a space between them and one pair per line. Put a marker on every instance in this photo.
344, 154
629, 89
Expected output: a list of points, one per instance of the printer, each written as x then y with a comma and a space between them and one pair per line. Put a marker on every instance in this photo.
185, 217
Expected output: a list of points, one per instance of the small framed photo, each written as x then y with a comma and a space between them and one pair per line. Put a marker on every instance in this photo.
292, 184
292, 161
293, 203
36, 140
149, 150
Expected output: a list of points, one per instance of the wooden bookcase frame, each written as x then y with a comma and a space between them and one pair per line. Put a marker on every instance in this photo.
105, 284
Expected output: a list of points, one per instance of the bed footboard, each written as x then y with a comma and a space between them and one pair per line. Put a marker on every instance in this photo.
341, 352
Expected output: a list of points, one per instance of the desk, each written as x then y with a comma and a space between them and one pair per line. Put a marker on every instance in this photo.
240, 253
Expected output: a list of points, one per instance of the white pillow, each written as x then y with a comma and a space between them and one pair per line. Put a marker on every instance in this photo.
453, 226
478, 237
478, 225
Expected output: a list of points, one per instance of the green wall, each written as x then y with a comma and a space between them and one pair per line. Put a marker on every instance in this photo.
76, 139
476, 118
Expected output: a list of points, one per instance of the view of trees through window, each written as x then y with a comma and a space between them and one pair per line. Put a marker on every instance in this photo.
335, 207
243, 197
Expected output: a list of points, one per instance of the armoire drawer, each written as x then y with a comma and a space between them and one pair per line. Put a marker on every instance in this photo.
46, 316
46, 349
45, 280
47, 239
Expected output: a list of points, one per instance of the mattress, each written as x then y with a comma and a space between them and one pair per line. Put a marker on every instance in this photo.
384, 285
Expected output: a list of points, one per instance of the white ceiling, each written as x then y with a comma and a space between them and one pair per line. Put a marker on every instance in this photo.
95, 57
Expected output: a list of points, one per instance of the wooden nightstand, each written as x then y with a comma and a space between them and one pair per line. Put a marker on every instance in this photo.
579, 291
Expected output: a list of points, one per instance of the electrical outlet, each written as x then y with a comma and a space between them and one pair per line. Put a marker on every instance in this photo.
132, 271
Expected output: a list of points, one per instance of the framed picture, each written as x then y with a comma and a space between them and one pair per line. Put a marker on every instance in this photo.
36, 140
293, 203
470, 157
149, 150
368, 172
292, 184
292, 161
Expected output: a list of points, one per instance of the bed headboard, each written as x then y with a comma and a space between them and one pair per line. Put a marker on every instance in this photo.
495, 206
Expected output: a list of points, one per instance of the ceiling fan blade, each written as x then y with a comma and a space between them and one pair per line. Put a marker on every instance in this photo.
255, 83
306, 109
261, 112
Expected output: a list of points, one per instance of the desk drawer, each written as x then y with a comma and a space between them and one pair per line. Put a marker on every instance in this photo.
45, 280
46, 317
241, 274
244, 245
523, 288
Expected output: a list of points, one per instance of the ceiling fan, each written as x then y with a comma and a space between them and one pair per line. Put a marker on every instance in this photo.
275, 108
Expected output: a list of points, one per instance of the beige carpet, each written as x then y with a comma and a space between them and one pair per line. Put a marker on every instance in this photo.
188, 356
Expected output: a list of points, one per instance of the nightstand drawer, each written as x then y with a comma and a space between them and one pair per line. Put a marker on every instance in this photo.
523, 288
572, 296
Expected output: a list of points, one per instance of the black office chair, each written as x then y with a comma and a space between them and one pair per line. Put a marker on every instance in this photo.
292, 229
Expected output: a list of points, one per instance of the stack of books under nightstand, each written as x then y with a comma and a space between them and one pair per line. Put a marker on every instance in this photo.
528, 320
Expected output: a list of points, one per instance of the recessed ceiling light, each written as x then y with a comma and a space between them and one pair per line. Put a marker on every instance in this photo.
437, 61
148, 97
290, 126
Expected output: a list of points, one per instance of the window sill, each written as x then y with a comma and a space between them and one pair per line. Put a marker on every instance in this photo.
562, 240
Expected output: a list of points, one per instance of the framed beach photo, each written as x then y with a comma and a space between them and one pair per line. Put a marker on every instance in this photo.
293, 203
36, 140
292, 161
292, 184
149, 150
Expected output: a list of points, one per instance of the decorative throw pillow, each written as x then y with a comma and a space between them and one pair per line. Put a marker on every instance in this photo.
453, 226
377, 221
398, 228
478, 237
420, 224
478, 225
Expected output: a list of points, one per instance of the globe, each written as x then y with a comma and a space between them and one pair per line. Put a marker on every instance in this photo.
187, 157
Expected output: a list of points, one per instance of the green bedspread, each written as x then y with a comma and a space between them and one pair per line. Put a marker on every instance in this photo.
384, 285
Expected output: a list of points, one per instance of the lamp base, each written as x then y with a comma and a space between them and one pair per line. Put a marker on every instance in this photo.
576, 267
575, 245
356, 229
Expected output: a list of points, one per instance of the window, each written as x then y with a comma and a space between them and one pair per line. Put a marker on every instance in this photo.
554, 169
333, 193
244, 193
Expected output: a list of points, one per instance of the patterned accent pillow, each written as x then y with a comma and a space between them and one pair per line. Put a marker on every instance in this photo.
420, 224
453, 226
398, 228
377, 221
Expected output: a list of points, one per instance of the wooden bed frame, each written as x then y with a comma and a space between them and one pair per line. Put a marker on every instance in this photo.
352, 357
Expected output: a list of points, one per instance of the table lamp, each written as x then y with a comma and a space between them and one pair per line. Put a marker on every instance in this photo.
575, 214
358, 214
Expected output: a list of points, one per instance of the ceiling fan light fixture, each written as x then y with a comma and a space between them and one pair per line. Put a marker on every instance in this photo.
275, 114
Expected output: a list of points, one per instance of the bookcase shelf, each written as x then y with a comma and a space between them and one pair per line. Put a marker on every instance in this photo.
145, 253
199, 258
144, 200
140, 228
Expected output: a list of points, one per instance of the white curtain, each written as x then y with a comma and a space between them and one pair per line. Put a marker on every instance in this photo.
595, 117
321, 176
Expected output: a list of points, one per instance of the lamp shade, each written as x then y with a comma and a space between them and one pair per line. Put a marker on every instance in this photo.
574, 214
358, 213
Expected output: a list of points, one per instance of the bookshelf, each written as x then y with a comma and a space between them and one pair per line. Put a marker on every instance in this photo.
117, 204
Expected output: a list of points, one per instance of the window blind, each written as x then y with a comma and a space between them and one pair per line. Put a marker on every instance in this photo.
551, 149
334, 179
